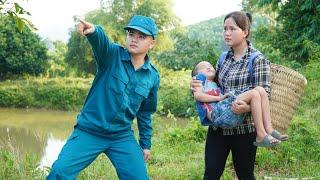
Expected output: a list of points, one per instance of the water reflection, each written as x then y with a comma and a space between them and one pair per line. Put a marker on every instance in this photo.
36, 132
21, 140
51, 151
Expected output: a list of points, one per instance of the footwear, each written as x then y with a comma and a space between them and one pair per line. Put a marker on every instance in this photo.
267, 142
282, 137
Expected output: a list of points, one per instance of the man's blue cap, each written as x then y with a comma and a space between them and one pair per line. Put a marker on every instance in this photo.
143, 24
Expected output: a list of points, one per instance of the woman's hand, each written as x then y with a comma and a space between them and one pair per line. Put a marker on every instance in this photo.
240, 107
224, 96
195, 84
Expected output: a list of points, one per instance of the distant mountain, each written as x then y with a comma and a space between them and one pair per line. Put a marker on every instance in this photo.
212, 29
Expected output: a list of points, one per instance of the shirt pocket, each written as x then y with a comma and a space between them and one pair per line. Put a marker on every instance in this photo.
141, 92
117, 85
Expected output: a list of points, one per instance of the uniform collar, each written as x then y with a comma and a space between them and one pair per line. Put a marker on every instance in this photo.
125, 56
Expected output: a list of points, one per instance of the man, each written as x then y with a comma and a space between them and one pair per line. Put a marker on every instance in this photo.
125, 87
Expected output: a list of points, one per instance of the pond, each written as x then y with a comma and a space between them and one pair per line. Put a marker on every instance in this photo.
44, 132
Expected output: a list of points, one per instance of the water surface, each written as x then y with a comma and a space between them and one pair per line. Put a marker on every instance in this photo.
44, 132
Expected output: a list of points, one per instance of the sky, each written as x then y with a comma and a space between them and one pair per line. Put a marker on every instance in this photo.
54, 18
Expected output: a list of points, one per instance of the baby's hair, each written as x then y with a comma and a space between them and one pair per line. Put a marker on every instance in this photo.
194, 71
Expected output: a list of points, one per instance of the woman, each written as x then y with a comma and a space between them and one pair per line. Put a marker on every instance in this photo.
233, 74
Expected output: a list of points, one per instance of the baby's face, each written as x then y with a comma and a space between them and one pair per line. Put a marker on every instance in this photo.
206, 68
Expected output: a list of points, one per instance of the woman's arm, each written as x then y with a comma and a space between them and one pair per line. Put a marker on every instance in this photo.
261, 77
203, 97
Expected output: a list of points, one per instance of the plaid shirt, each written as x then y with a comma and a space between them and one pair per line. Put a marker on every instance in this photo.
234, 75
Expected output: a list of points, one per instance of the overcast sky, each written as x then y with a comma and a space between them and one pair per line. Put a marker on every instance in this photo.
53, 18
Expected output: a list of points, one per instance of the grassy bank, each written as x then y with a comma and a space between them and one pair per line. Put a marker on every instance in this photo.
53, 93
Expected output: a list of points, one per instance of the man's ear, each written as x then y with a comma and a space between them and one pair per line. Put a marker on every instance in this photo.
152, 44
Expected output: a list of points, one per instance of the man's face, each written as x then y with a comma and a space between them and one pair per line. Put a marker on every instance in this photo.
138, 42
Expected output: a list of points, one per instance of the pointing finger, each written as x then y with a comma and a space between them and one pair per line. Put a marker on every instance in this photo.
83, 22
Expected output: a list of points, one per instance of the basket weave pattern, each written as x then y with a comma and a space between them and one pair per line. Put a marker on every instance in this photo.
287, 86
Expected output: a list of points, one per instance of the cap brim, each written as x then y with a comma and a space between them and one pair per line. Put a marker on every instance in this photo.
139, 29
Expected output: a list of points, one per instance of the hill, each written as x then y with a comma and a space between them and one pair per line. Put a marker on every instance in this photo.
212, 30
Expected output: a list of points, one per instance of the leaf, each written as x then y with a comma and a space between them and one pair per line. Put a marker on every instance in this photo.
20, 24
29, 24
17, 7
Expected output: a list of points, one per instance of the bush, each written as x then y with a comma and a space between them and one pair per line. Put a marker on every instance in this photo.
174, 93
194, 132
57, 93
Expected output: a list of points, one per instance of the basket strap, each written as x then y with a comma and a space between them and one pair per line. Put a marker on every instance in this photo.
250, 65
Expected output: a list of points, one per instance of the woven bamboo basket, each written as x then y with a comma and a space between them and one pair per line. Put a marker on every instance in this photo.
287, 86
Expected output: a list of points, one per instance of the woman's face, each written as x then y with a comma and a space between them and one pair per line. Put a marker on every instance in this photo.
233, 34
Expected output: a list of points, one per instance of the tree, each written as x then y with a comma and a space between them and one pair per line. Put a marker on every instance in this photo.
20, 53
79, 55
16, 12
57, 59
297, 21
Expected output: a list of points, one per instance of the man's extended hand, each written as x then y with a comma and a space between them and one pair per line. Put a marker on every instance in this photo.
84, 28
146, 154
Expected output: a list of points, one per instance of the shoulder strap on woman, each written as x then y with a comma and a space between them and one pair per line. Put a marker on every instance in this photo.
251, 62
222, 58
250, 65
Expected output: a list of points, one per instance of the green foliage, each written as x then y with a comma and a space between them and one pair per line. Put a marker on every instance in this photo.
15, 167
58, 93
209, 30
311, 99
17, 13
296, 21
79, 55
194, 132
312, 69
20, 53
174, 93
186, 52
57, 60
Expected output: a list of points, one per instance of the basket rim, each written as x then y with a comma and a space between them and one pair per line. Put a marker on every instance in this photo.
291, 71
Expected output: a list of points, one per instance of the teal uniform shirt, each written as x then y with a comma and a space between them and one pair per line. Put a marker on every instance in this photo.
119, 93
